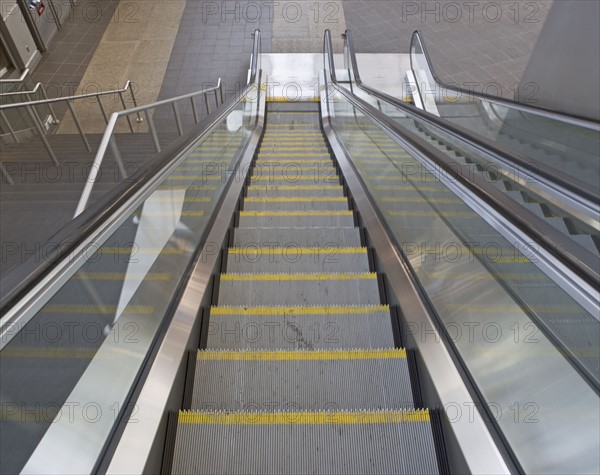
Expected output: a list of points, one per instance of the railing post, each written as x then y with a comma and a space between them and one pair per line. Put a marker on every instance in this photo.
139, 116
10, 129
117, 155
78, 124
221, 90
206, 103
216, 98
177, 119
125, 108
52, 113
102, 109
153, 133
39, 119
42, 134
196, 119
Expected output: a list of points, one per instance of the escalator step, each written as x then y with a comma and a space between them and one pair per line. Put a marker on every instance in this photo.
297, 259
299, 289
296, 203
302, 380
308, 327
321, 191
297, 236
295, 218
365, 442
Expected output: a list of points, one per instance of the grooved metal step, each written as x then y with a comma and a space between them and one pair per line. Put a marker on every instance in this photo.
297, 236
306, 328
299, 289
313, 380
291, 259
295, 218
320, 191
296, 203
345, 443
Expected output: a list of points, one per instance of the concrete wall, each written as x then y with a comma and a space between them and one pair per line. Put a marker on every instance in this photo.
565, 64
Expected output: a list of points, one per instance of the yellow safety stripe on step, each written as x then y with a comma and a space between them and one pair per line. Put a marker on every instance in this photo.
290, 311
295, 199
278, 154
275, 161
300, 276
315, 126
294, 187
276, 134
293, 213
97, 309
296, 251
446, 201
304, 418
151, 276
295, 178
37, 352
300, 355
454, 214
294, 168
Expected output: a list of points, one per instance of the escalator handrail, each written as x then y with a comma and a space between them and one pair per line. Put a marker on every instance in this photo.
573, 185
24, 278
565, 250
570, 119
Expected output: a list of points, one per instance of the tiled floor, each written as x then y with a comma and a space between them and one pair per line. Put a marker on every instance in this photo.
63, 66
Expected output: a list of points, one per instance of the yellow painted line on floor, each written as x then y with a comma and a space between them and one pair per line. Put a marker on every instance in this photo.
97, 309
300, 355
299, 276
296, 199
447, 201
59, 353
294, 187
294, 213
296, 178
303, 418
311, 310
151, 276
295, 251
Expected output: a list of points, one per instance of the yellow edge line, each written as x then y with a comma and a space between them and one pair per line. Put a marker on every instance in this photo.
304, 418
294, 187
294, 277
295, 213
295, 178
287, 160
275, 154
332, 310
301, 355
301, 199
295, 251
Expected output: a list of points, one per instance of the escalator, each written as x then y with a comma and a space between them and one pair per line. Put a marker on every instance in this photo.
291, 288
297, 268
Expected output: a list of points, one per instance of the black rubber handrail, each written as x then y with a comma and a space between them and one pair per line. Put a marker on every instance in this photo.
506, 155
537, 110
61, 245
565, 250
